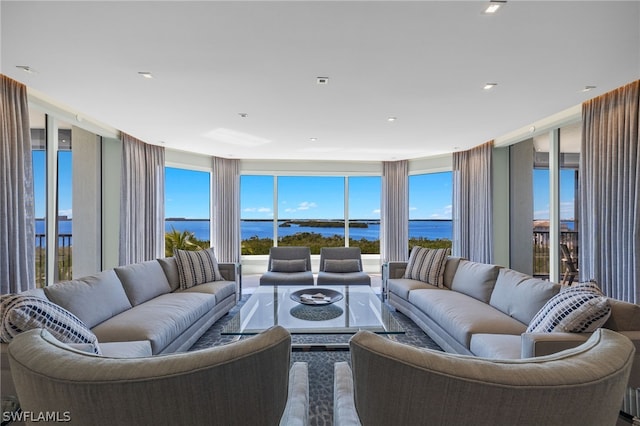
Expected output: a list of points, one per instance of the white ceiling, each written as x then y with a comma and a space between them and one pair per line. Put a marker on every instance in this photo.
424, 62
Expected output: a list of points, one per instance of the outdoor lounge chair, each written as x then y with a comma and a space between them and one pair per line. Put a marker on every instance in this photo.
288, 266
342, 265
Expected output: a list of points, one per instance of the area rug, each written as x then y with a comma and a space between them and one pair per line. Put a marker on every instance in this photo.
320, 362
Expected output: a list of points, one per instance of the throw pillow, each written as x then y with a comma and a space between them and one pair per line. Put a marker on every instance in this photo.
21, 313
427, 265
342, 265
293, 265
197, 267
575, 310
585, 286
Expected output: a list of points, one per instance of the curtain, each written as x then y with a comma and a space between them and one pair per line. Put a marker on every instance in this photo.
141, 201
473, 204
226, 209
610, 192
394, 216
17, 216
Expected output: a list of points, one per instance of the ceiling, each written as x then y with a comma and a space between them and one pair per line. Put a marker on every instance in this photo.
238, 79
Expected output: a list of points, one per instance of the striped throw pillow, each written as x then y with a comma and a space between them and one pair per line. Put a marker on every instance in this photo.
578, 309
197, 267
20, 313
427, 265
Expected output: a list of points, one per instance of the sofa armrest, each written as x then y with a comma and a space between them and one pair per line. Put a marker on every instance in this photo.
232, 271
296, 411
344, 406
540, 344
396, 269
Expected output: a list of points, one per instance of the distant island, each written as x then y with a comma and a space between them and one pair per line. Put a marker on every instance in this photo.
322, 224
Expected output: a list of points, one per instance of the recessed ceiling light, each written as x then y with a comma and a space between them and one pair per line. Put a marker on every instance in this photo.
489, 86
588, 88
145, 74
322, 80
26, 69
243, 114
392, 119
313, 139
493, 7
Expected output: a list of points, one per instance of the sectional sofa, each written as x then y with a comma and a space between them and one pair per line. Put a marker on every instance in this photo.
134, 310
486, 311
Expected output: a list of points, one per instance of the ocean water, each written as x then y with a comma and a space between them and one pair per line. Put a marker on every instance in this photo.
431, 229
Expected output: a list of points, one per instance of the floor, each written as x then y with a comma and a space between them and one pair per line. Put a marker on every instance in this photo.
250, 282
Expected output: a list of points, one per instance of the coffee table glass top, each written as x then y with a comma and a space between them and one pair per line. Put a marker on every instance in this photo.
359, 309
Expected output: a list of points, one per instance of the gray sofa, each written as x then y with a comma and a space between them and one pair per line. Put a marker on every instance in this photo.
395, 384
249, 382
484, 310
139, 309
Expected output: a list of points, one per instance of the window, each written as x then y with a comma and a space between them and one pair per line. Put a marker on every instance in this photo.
569, 137
256, 217
187, 209
430, 203
364, 213
39, 158
311, 212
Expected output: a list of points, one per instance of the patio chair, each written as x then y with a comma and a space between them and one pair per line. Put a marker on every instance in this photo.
288, 266
570, 265
342, 266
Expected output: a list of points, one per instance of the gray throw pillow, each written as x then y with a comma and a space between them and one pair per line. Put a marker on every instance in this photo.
342, 265
294, 265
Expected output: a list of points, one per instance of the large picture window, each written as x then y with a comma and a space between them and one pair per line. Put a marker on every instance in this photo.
364, 213
430, 202
257, 215
187, 209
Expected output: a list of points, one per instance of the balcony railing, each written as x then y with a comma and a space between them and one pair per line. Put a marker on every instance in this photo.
64, 261
541, 250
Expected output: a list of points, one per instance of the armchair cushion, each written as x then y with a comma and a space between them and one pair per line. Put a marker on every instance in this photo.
197, 267
342, 265
293, 265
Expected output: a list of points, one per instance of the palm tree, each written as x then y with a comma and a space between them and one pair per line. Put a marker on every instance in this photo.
179, 240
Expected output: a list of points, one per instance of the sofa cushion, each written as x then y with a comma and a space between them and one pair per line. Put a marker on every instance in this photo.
197, 267
573, 310
160, 320
402, 286
497, 346
143, 281
293, 265
220, 289
427, 265
342, 265
462, 316
93, 299
450, 268
22, 313
170, 268
521, 296
475, 279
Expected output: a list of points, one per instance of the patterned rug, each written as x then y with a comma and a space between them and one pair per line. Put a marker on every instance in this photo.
320, 363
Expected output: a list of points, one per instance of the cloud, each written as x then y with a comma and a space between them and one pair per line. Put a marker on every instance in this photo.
306, 205
68, 213
376, 211
411, 209
257, 209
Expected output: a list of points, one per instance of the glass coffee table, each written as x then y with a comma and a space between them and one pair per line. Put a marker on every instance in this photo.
318, 317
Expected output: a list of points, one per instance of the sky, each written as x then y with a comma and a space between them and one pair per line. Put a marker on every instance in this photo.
304, 197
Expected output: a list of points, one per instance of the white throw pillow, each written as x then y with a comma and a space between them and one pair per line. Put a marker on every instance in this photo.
21, 313
577, 309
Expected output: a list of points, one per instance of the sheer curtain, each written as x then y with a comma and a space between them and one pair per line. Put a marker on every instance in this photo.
610, 192
17, 225
141, 201
226, 209
472, 204
394, 215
